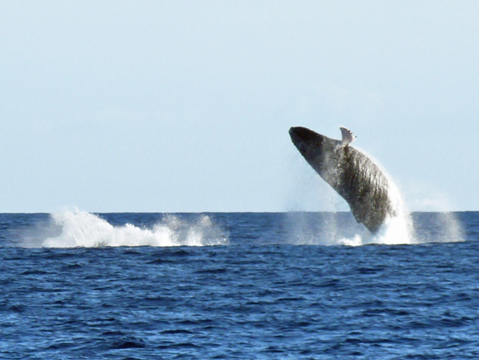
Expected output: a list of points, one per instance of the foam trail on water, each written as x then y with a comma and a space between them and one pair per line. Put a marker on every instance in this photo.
83, 229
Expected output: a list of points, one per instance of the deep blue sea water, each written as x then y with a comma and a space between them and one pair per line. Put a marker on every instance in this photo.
236, 286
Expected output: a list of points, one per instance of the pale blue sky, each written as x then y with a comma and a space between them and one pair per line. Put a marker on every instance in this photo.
186, 105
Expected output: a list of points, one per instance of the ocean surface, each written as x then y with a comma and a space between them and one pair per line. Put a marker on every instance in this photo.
76, 285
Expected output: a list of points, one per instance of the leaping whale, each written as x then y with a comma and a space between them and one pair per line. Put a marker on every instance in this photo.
352, 174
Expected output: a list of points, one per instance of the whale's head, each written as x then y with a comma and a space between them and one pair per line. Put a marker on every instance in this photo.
305, 140
317, 149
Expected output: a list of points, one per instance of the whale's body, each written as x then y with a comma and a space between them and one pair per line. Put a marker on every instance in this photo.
352, 174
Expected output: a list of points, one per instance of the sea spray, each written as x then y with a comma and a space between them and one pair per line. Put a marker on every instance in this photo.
337, 229
340, 228
324, 228
438, 227
395, 231
83, 229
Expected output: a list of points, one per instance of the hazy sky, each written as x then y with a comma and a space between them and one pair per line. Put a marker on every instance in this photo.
172, 106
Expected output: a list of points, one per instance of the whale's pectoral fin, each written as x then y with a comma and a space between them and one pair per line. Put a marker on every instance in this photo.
348, 136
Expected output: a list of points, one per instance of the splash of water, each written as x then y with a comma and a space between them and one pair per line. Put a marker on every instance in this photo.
397, 229
336, 229
342, 229
83, 229
439, 227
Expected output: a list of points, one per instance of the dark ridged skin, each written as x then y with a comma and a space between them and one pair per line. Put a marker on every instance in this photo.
351, 173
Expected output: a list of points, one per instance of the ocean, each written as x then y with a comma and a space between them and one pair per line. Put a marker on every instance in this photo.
76, 285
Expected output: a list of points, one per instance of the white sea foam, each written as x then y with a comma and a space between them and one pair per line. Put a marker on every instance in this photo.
342, 229
395, 231
83, 229
398, 229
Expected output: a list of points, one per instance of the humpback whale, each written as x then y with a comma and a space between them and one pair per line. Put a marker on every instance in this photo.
353, 175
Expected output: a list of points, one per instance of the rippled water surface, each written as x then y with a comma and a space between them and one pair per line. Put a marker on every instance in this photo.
235, 286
